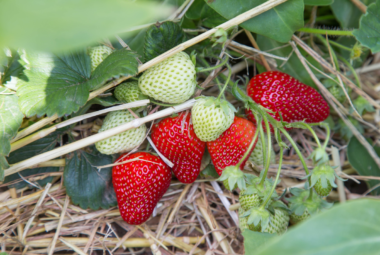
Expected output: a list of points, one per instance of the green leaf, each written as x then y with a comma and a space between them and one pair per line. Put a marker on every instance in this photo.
293, 66
119, 63
55, 84
87, 186
104, 101
40, 146
254, 240
346, 13
350, 42
346, 229
362, 162
161, 38
12, 69
369, 32
210, 171
318, 2
61, 84
10, 121
3, 165
279, 23
208, 17
57, 26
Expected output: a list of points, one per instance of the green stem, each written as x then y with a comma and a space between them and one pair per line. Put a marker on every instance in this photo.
327, 17
340, 46
269, 149
201, 70
296, 149
351, 69
325, 31
246, 154
335, 59
276, 180
313, 133
328, 132
228, 79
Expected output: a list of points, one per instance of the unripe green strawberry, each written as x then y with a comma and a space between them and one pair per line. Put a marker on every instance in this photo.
257, 156
249, 201
171, 81
322, 191
98, 54
227, 186
294, 218
242, 220
338, 93
211, 117
278, 223
129, 92
122, 142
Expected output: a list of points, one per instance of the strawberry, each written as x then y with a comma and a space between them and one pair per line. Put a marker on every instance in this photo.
174, 137
129, 92
171, 81
211, 117
323, 179
278, 221
139, 185
281, 93
230, 147
98, 54
294, 218
122, 142
247, 201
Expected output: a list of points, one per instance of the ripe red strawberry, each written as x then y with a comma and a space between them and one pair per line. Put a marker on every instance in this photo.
230, 147
281, 93
176, 140
139, 185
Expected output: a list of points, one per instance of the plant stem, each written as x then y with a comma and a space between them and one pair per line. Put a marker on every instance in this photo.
340, 46
296, 149
328, 131
269, 150
201, 70
228, 79
276, 180
325, 31
313, 133
246, 154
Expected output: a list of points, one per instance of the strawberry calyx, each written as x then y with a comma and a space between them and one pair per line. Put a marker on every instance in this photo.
234, 176
300, 202
323, 176
259, 217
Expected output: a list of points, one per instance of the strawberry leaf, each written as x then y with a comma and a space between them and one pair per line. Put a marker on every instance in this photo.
331, 232
87, 186
119, 63
10, 120
347, 13
57, 26
3, 165
208, 17
161, 38
254, 240
12, 69
369, 32
318, 2
61, 84
40, 146
279, 23
362, 162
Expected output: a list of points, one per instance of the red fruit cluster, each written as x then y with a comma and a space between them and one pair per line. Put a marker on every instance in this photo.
281, 93
142, 181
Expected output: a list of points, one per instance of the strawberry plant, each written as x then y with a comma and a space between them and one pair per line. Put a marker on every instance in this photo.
189, 126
